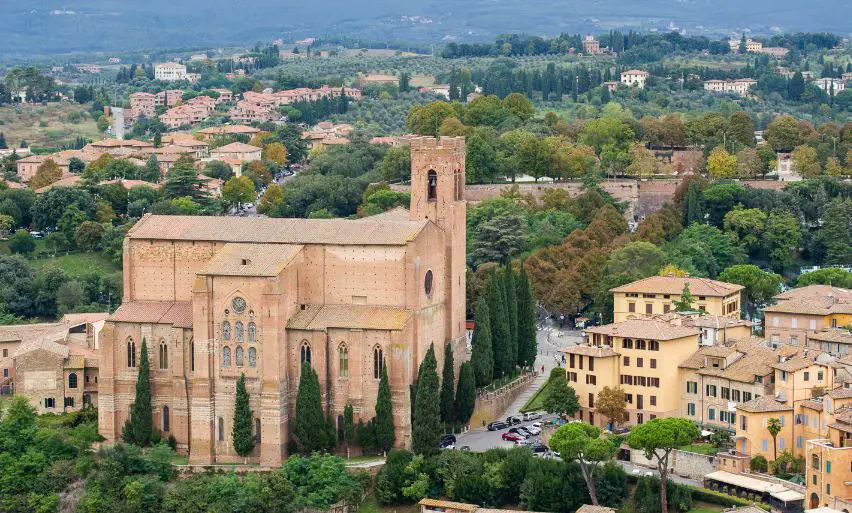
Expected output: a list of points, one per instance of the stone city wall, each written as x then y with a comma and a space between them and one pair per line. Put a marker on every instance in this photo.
685, 464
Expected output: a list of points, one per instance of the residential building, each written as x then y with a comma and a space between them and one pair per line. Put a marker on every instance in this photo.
719, 330
752, 46
657, 294
634, 77
836, 341
739, 87
168, 98
28, 166
142, 104
801, 312
775, 51
611, 85
117, 147
214, 131
236, 150
637, 355
846, 77
246, 111
225, 95
828, 465
169, 72
199, 149
831, 86
591, 45
261, 297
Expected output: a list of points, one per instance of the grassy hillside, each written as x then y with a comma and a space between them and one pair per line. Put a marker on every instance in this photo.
48, 125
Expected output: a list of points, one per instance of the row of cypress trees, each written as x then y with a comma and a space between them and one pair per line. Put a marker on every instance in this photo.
504, 337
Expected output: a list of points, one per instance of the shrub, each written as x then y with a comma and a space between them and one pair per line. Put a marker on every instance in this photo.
759, 464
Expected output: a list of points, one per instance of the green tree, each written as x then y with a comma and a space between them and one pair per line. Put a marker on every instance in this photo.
466, 393
748, 224
151, 171
782, 239
349, 424
519, 106
309, 420
829, 276
511, 294
657, 439
806, 162
693, 211
427, 119
562, 399
141, 416
773, 425
275, 152
426, 427
612, 403
88, 235
749, 163
396, 164
385, 434
448, 381
527, 320
582, 443
241, 431
47, 173
272, 199
835, 234
76, 165
684, 304
796, 86
21, 243
239, 190
503, 364
721, 164
482, 356
783, 133
741, 128
760, 286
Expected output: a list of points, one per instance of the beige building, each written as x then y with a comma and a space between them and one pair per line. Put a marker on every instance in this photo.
801, 312
591, 45
28, 166
656, 295
831, 86
169, 72
634, 77
775, 51
828, 464
219, 297
637, 355
236, 150
142, 104
835, 341
739, 87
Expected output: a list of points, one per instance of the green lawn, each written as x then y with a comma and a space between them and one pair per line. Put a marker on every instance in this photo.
707, 449
179, 459
705, 507
536, 402
77, 264
371, 505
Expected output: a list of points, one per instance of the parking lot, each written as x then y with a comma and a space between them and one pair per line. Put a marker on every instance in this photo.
480, 439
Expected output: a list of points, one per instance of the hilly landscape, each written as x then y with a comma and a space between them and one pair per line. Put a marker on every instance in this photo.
49, 27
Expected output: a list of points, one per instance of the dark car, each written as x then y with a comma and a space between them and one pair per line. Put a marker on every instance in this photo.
512, 420
497, 425
448, 441
521, 431
539, 448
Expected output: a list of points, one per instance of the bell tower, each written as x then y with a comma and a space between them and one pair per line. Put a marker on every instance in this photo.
437, 194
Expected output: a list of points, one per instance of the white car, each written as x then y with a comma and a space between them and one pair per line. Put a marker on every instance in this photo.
532, 415
534, 431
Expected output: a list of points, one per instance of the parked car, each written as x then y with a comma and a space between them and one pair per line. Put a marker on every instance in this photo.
512, 420
497, 425
448, 441
512, 437
521, 431
532, 415
539, 449
534, 431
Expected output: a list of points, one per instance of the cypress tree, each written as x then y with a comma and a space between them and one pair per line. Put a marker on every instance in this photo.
141, 418
3, 145
499, 326
692, 206
309, 423
426, 430
466, 394
482, 357
385, 436
512, 308
241, 432
527, 341
448, 381
348, 424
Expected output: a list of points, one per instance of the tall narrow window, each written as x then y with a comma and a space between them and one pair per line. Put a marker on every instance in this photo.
165, 418
226, 357
238, 356
257, 431
72, 380
192, 355
305, 356
238, 331
226, 330
252, 357
378, 361
131, 353
343, 358
221, 429
252, 332
458, 185
164, 355
432, 185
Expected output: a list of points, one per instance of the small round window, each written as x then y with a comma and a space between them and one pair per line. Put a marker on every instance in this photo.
427, 283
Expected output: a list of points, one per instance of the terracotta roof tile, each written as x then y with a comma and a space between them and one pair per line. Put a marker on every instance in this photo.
812, 404
840, 393
239, 259
832, 335
322, 317
793, 364
235, 147
177, 313
813, 299
448, 504
674, 285
22, 332
763, 404
587, 508
281, 231
652, 329
587, 350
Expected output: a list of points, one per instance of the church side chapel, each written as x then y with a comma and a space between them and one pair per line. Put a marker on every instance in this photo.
217, 297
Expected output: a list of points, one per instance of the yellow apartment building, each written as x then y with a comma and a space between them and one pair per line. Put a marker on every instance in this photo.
828, 465
752, 436
656, 295
800, 313
640, 356
716, 379
836, 341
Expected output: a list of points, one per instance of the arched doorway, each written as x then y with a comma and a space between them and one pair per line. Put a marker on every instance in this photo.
814, 501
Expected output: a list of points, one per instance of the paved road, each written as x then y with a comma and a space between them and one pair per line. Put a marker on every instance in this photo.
550, 339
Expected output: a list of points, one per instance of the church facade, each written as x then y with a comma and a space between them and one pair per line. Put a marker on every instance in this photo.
217, 297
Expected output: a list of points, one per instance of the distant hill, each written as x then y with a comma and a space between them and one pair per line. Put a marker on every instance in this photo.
59, 26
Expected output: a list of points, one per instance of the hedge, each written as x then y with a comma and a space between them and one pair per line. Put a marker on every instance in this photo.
711, 496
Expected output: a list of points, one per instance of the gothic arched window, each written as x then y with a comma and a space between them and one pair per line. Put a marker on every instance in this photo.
226, 330
378, 362
432, 185
252, 332
239, 331
343, 357
131, 353
164, 355
305, 356
226, 357
166, 418
238, 356
72, 380
252, 355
